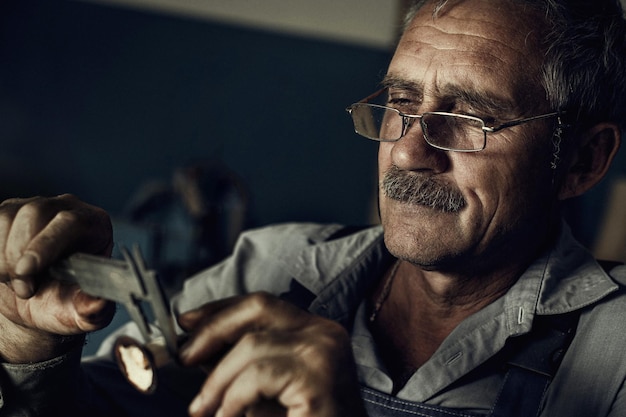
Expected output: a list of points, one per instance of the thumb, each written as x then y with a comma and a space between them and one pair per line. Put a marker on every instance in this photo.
92, 313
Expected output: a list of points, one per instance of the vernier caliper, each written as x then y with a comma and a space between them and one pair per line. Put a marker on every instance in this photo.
125, 281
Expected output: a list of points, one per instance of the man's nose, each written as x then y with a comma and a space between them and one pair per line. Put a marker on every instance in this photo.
413, 153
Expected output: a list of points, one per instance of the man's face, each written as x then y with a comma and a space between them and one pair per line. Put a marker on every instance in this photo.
478, 59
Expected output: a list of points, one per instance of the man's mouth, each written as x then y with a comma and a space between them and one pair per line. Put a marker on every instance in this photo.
412, 188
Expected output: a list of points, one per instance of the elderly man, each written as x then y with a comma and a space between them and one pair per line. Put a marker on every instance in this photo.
472, 299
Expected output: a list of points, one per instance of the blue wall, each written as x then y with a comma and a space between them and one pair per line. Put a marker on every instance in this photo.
97, 100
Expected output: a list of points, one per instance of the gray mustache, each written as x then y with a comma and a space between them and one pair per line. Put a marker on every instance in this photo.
413, 188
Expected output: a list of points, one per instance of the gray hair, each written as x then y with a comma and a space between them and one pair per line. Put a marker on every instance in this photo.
584, 68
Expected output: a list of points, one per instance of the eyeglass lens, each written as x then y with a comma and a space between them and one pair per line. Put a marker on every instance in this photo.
445, 131
453, 132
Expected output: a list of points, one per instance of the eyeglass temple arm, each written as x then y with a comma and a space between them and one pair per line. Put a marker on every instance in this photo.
521, 121
373, 95
367, 99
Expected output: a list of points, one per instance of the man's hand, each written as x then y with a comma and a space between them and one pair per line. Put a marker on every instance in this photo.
39, 317
277, 360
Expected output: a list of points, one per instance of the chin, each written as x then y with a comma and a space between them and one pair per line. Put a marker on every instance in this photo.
431, 243
414, 247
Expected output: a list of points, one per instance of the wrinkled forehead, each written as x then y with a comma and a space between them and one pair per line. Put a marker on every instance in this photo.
484, 44
507, 21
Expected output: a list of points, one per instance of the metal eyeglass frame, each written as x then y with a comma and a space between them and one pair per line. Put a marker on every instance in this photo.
406, 122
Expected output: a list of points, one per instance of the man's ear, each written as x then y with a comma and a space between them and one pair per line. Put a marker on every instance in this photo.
590, 160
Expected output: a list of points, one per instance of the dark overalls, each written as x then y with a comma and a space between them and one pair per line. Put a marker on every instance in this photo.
532, 362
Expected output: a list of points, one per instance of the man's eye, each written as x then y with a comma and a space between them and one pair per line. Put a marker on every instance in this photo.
489, 120
405, 105
398, 100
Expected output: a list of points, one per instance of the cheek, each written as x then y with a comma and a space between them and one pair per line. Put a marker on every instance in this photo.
384, 160
384, 156
383, 165
507, 186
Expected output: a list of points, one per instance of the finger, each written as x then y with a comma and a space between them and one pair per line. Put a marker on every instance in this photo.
97, 231
92, 313
46, 229
261, 380
223, 328
271, 383
204, 326
28, 220
192, 319
48, 244
63, 309
34, 246
252, 348
5, 227
21, 269
8, 210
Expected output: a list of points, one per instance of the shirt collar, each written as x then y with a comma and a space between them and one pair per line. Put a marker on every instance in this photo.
573, 279
340, 271
563, 279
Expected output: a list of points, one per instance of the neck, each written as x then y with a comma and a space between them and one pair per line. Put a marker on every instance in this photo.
448, 294
421, 308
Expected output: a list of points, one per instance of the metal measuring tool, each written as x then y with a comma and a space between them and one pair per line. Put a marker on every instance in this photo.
126, 281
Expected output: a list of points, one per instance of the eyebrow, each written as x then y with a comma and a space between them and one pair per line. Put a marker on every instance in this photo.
391, 81
479, 99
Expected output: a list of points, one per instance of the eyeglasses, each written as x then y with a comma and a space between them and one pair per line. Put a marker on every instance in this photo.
441, 130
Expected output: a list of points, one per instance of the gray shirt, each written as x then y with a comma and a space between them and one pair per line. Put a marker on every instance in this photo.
340, 272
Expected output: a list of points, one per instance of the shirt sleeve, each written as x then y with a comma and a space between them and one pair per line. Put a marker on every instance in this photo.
72, 386
262, 260
40, 389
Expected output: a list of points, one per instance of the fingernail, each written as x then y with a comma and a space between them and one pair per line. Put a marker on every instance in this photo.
23, 288
195, 405
26, 265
